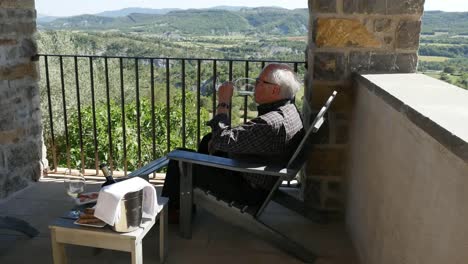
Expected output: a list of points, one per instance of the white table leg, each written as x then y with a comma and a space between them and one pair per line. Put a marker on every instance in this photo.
58, 250
163, 233
137, 253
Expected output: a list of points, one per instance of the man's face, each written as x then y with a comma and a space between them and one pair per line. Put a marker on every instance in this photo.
265, 90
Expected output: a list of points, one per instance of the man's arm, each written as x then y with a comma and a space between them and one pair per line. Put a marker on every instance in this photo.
253, 137
225, 92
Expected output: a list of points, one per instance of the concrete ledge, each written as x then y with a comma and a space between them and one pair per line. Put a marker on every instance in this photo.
438, 108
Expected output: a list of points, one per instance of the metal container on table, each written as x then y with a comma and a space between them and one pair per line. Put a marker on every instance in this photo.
130, 212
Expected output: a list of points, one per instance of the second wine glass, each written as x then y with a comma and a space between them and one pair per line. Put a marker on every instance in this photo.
74, 186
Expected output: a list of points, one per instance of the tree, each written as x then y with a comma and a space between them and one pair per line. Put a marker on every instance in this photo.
449, 69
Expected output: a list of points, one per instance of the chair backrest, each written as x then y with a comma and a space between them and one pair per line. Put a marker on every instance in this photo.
299, 156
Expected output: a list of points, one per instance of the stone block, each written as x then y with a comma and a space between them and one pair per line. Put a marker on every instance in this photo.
16, 29
408, 35
11, 136
19, 71
36, 129
27, 4
359, 62
6, 121
388, 40
329, 66
11, 54
339, 33
17, 15
28, 48
15, 182
382, 25
407, 62
324, 6
23, 154
326, 161
8, 42
342, 103
382, 63
396, 7
365, 6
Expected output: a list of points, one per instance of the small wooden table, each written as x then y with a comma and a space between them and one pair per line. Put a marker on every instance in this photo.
63, 231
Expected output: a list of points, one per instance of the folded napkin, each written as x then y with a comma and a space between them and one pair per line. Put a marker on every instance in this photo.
110, 197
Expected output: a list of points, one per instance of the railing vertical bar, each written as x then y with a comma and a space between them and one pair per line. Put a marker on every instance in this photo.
198, 100
183, 103
122, 95
168, 110
93, 105
153, 125
245, 97
230, 79
65, 118
263, 64
109, 120
51, 118
214, 87
78, 103
137, 86
295, 67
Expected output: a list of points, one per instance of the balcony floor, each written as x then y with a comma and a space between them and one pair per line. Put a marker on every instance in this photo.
214, 241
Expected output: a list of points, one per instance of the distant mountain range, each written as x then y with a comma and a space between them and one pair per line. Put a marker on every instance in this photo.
225, 20
218, 20
449, 22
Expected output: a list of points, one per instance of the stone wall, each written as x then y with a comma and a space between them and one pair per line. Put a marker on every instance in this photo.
346, 37
20, 117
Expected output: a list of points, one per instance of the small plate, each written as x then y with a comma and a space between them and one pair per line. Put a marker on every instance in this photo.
99, 225
86, 198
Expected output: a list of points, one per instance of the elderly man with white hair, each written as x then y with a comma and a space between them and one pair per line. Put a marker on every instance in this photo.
273, 136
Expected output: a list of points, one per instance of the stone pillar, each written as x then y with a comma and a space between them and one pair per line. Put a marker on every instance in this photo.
346, 37
20, 117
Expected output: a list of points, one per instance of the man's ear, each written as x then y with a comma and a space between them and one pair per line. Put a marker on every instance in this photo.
276, 90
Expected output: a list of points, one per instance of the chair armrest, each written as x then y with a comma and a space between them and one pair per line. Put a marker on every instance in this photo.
231, 164
149, 168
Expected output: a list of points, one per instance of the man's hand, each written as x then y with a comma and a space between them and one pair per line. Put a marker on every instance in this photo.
225, 92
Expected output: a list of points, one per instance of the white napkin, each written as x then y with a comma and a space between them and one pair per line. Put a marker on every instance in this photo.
108, 203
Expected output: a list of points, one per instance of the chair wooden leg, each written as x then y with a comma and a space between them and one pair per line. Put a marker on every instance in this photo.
253, 225
186, 199
163, 234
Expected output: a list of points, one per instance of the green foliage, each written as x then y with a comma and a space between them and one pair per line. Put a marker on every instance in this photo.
130, 130
451, 51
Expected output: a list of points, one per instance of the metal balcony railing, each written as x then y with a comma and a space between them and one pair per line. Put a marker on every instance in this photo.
131, 110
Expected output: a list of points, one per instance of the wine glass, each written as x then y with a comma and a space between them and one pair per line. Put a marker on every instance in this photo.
244, 86
74, 185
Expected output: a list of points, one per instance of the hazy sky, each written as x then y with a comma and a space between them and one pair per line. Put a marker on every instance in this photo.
77, 7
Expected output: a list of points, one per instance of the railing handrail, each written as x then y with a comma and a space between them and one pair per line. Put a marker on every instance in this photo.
164, 58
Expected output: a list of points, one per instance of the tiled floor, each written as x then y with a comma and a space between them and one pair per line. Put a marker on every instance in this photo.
213, 240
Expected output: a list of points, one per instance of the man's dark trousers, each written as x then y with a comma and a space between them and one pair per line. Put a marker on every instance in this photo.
226, 185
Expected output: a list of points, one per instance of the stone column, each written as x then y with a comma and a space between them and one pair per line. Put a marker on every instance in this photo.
20, 117
346, 37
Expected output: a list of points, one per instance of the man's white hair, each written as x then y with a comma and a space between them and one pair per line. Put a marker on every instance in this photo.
286, 78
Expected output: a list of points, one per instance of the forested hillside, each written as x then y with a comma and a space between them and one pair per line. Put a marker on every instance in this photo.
449, 22
271, 21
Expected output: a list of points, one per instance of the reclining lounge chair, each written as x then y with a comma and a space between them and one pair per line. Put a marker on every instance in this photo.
237, 214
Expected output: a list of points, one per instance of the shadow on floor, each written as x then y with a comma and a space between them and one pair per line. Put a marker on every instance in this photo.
213, 240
